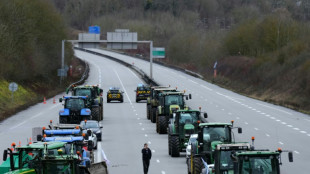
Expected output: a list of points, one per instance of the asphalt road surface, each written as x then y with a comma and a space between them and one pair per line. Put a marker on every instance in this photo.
126, 129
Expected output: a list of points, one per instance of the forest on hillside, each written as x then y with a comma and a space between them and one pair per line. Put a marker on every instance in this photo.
262, 46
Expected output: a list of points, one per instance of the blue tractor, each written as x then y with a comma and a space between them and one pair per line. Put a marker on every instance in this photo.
75, 110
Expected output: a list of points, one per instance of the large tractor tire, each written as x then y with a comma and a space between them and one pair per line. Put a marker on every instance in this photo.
63, 120
197, 165
101, 112
175, 144
95, 115
162, 124
169, 144
148, 110
153, 115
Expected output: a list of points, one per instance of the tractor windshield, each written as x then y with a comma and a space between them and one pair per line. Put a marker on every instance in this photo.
83, 92
225, 161
259, 165
188, 118
174, 100
61, 166
76, 104
28, 155
217, 133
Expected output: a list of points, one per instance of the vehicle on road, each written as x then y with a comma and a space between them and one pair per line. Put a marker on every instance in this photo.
115, 93
75, 110
169, 102
181, 126
142, 92
153, 102
209, 136
92, 125
94, 98
188, 145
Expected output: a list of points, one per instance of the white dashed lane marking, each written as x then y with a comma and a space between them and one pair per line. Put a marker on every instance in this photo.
246, 123
267, 135
296, 152
157, 161
280, 143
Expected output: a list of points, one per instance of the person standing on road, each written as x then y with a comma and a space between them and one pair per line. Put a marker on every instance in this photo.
146, 157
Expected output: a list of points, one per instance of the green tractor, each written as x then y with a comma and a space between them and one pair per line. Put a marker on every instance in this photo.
152, 101
181, 126
94, 98
238, 158
169, 102
209, 136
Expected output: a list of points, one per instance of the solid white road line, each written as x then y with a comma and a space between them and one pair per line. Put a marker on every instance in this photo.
296, 152
280, 143
157, 161
267, 135
122, 86
275, 109
35, 116
18, 125
206, 87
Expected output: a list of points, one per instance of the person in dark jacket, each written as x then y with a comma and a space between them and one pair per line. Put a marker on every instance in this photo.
146, 157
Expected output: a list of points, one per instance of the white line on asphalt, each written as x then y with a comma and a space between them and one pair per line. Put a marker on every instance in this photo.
254, 109
296, 152
256, 128
308, 135
223, 109
99, 152
273, 118
149, 143
138, 118
296, 128
53, 107
229, 113
122, 86
275, 109
35, 116
303, 132
283, 123
267, 135
278, 120
157, 161
134, 110
206, 87
258, 111
280, 143
140, 124
289, 125
263, 113
267, 115
153, 151
18, 125
142, 129
238, 118
145, 135
246, 123
192, 81
163, 172
250, 107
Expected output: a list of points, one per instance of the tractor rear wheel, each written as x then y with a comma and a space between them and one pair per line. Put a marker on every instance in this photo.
162, 124
95, 114
63, 120
148, 110
169, 144
175, 144
101, 112
153, 115
197, 165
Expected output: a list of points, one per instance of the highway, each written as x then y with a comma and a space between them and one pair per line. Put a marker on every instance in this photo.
126, 129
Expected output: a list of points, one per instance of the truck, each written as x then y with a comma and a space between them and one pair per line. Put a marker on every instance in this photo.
94, 98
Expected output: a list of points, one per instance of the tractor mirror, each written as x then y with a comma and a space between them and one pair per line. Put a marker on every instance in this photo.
5, 155
205, 115
290, 156
174, 114
101, 90
186, 98
239, 130
101, 127
190, 96
60, 100
39, 137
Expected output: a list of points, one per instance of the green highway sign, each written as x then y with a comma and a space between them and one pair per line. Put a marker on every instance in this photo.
158, 52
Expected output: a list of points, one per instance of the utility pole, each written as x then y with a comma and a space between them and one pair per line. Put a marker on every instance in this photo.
151, 60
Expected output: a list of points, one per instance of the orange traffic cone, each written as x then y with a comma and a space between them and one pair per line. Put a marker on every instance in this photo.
54, 101
44, 100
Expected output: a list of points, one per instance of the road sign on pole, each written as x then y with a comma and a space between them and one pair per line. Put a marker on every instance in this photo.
13, 87
158, 52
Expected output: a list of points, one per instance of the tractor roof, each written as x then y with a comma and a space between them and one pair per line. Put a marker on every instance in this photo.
234, 146
214, 124
173, 93
40, 145
257, 153
68, 139
187, 111
86, 87
164, 89
63, 132
158, 87
75, 97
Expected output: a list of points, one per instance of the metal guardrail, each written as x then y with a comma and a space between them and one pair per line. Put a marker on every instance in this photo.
142, 74
84, 76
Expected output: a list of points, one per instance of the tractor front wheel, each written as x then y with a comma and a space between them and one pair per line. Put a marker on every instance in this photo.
162, 124
169, 144
175, 144
197, 165
148, 110
153, 115
95, 115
